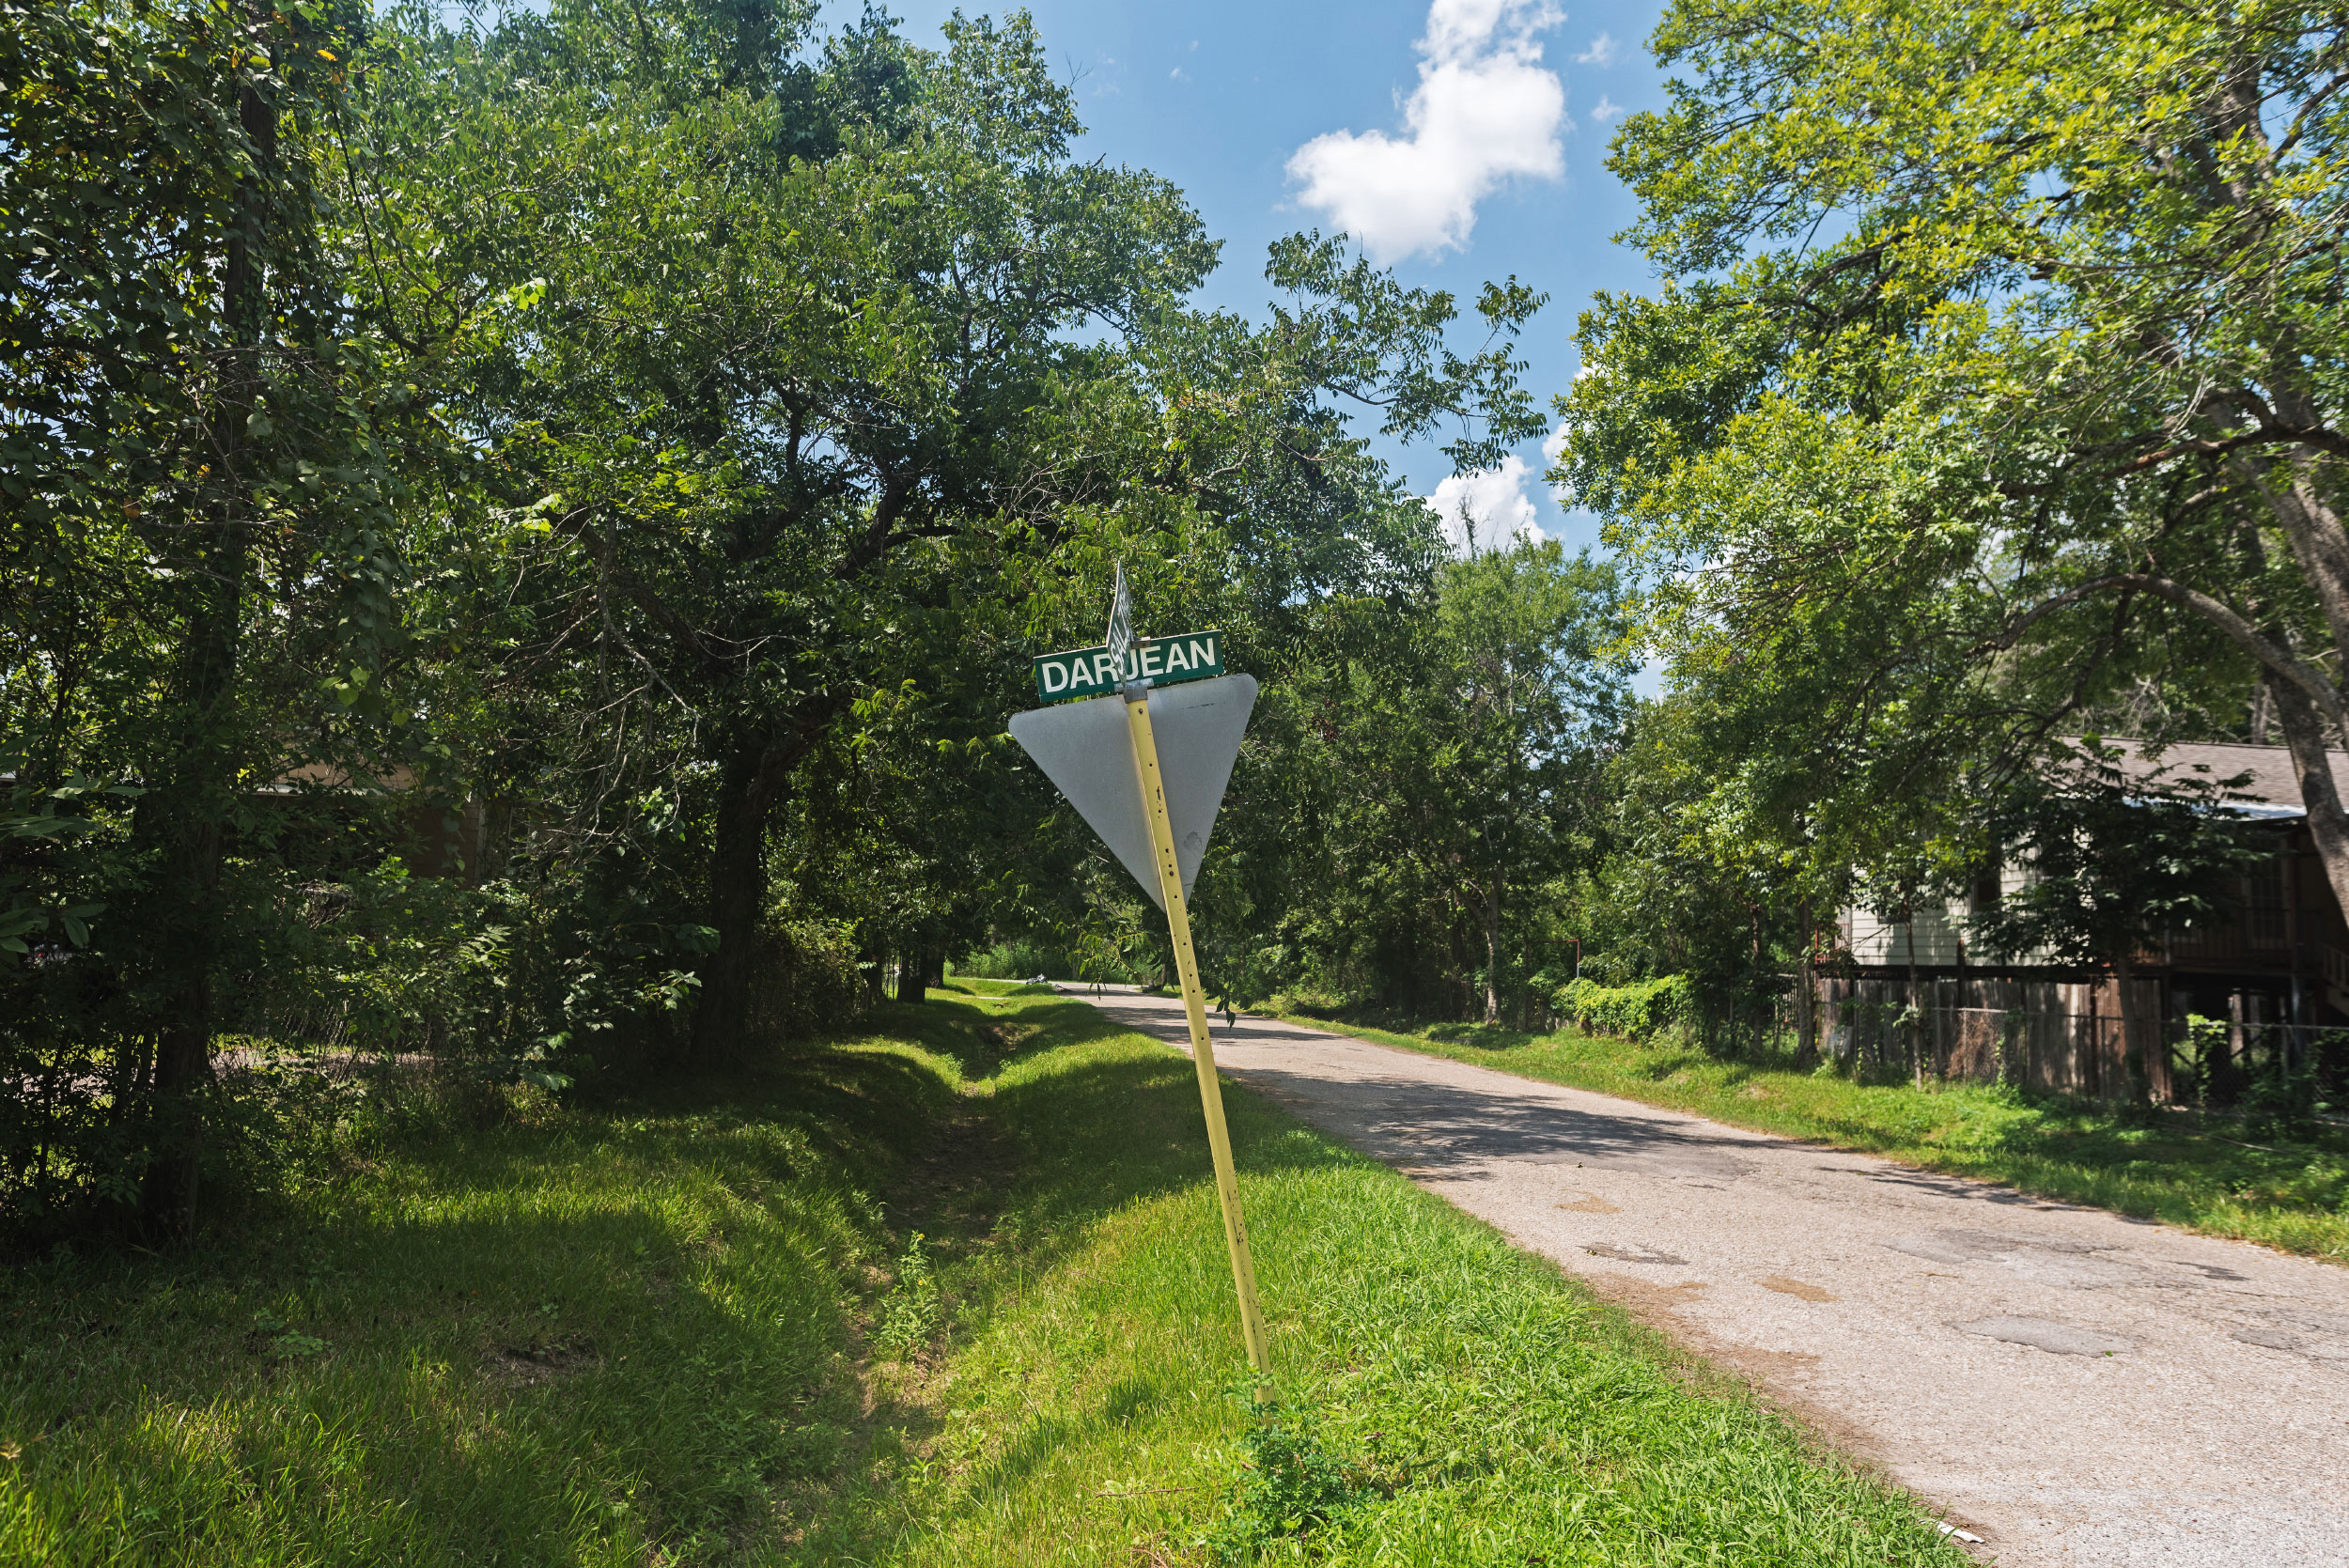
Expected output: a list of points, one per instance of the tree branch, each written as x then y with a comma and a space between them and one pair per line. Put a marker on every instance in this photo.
2238, 628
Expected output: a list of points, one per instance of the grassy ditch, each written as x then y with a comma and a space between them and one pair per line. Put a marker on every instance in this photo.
2206, 1173
579, 1334
1449, 1399
681, 1330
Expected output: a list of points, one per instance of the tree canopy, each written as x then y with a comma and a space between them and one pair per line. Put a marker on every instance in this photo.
1992, 391
524, 530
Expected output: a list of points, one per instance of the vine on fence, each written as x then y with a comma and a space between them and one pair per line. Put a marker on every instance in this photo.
1634, 1010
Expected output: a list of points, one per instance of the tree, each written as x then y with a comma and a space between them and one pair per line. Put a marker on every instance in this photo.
2112, 863
647, 432
1535, 681
796, 384
2049, 415
1702, 868
779, 376
200, 459
1440, 767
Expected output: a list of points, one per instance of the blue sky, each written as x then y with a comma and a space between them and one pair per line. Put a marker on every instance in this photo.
1460, 139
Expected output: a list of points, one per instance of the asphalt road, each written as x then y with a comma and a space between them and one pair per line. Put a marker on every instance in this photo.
2079, 1389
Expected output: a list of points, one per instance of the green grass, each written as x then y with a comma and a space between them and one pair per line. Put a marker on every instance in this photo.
695, 1327
1484, 1408
563, 1338
2204, 1173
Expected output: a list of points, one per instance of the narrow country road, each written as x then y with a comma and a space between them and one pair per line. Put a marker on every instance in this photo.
2079, 1389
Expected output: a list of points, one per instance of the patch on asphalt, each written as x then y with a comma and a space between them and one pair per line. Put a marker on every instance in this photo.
1591, 1203
1784, 1286
2043, 1260
2320, 1336
2324, 1323
1933, 1251
2041, 1333
2078, 1272
1629, 1254
1653, 1155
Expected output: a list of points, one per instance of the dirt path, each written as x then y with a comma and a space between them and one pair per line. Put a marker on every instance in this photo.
2080, 1389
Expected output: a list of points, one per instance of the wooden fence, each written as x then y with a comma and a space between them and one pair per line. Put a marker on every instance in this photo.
2048, 1034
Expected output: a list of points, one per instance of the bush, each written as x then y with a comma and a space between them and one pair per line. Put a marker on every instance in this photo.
2281, 1103
806, 981
1635, 1010
1290, 1486
1015, 960
1018, 958
1308, 1002
910, 1314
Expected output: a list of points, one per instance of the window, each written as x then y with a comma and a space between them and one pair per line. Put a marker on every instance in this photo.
1988, 884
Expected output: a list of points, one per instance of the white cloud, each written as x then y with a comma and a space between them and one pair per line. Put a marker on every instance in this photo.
1554, 445
1607, 109
1485, 111
1177, 76
1487, 509
1604, 51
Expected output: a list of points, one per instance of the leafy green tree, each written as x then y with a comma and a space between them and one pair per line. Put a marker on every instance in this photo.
658, 439
1992, 384
771, 416
2112, 864
1535, 682
1443, 767
200, 458
796, 384
1699, 871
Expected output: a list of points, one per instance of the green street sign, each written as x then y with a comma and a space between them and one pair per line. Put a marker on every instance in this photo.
1160, 660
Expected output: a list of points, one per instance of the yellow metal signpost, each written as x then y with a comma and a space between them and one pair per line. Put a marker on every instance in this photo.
1195, 1010
1155, 821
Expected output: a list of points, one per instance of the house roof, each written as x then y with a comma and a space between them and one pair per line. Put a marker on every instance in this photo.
2271, 790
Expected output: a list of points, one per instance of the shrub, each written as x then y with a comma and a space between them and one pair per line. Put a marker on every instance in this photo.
910, 1315
1289, 1486
1634, 1010
1308, 1001
806, 981
1018, 958
1015, 959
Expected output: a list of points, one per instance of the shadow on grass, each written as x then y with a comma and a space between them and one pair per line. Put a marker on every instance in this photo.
1042, 1439
615, 1322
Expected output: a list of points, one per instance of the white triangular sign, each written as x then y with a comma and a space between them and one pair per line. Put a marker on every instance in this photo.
1087, 750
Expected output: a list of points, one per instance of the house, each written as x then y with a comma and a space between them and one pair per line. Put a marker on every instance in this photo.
2270, 973
435, 836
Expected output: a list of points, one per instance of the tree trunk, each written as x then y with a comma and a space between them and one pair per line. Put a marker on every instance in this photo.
913, 974
1916, 1007
2329, 823
1806, 995
750, 786
1492, 948
189, 816
183, 818
1806, 1014
2292, 489
2132, 1036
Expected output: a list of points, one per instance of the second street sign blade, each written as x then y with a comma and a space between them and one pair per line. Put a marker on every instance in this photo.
1161, 660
